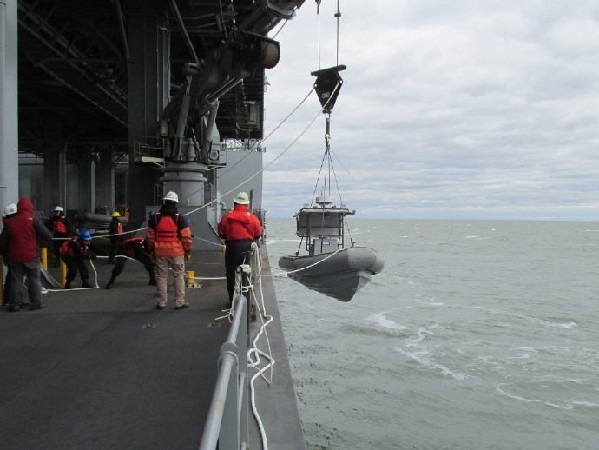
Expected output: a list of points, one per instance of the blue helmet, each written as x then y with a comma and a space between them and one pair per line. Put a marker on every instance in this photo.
85, 235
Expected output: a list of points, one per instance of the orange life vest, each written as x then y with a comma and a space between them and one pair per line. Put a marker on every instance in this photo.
166, 228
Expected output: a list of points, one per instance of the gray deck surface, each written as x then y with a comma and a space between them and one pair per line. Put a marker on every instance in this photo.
98, 369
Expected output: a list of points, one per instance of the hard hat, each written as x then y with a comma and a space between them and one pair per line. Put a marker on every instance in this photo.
59, 209
10, 209
85, 235
171, 197
116, 214
241, 199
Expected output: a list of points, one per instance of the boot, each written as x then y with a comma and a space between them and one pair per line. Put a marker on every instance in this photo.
67, 285
85, 284
152, 282
110, 283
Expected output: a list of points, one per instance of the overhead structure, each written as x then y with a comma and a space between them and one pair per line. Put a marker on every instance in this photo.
158, 83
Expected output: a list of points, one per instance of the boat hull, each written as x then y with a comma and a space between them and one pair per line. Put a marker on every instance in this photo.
338, 274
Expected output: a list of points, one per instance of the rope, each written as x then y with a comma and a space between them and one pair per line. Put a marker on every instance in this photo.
254, 353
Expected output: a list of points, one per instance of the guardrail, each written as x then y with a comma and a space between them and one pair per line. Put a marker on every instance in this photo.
227, 421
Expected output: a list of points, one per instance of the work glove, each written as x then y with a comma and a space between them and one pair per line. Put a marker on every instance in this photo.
187, 256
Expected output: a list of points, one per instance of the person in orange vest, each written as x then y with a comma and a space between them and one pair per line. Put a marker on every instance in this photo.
115, 229
135, 248
61, 228
169, 240
75, 252
239, 228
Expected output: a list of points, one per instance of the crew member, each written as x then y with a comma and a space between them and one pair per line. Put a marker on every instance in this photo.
20, 234
239, 228
9, 211
134, 247
115, 229
61, 228
75, 253
169, 240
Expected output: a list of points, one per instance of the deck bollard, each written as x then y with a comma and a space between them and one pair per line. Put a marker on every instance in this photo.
45, 258
63, 273
191, 280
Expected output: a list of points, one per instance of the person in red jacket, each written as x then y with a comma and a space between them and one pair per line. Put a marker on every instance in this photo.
20, 235
239, 228
169, 240
75, 253
9, 211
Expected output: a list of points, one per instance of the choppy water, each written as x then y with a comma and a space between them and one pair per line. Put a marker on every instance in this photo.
478, 335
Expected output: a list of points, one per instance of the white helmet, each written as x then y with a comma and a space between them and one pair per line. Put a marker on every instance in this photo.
242, 199
10, 209
171, 197
58, 209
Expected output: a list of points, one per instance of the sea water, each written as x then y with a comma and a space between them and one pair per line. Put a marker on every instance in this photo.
477, 335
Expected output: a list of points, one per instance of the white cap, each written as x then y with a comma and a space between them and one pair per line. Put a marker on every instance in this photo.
171, 197
59, 208
10, 209
242, 199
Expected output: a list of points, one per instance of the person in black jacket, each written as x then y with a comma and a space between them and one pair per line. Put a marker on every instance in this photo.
61, 229
135, 248
116, 230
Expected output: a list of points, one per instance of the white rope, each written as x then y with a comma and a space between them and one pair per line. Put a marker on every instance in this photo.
254, 353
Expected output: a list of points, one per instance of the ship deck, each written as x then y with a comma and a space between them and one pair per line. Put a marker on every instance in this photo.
101, 368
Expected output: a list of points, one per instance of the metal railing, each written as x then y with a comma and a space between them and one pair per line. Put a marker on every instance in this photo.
227, 421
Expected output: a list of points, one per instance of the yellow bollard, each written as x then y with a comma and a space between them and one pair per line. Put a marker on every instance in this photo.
191, 281
45, 258
63, 273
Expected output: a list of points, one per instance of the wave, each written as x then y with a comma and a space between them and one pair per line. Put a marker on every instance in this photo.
560, 404
381, 323
422, 358
552, 323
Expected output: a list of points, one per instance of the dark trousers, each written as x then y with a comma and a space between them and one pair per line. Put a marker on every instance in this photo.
142, 257
7, 291
236, 254
33, 270
74, 264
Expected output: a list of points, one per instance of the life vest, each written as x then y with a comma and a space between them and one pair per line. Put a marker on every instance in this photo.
166, 228
66, 248
59, 226
168, 236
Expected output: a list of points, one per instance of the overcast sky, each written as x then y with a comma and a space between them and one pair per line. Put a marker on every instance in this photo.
462, 109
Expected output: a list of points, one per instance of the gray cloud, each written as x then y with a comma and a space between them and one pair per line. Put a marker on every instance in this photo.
462, 109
